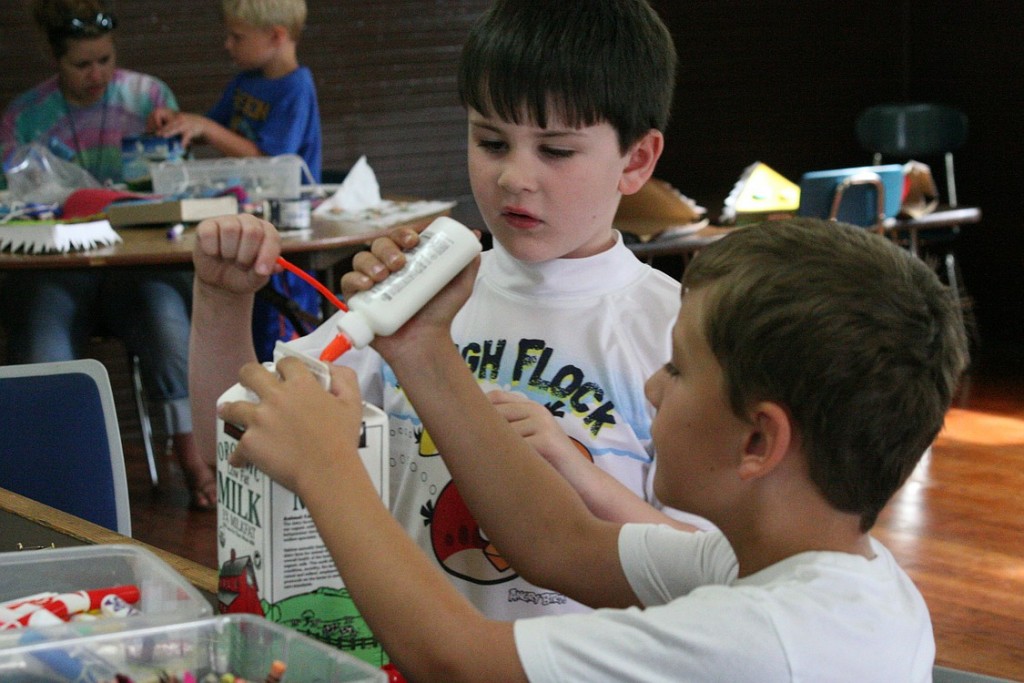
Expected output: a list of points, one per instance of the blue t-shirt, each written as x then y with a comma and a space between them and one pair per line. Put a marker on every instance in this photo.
280, 115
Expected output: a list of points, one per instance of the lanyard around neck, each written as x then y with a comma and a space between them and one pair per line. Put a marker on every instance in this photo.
79, 152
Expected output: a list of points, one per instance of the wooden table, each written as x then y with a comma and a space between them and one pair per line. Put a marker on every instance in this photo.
320, 248
663, 243
32, 524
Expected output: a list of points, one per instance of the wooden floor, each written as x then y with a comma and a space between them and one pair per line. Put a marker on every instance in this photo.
957, 526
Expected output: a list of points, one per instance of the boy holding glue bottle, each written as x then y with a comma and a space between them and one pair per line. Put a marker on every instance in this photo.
563, 314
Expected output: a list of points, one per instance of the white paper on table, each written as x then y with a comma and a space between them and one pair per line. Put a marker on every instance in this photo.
357, 206
358, 192
47, 236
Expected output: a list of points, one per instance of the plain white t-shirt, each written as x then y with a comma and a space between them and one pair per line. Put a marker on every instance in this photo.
816, 616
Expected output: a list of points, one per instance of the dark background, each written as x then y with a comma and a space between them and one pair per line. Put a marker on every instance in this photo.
778, 82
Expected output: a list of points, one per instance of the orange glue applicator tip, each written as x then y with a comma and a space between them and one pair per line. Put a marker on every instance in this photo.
339, 345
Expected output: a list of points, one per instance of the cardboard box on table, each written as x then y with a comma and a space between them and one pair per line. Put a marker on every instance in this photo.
272, 560
658, 209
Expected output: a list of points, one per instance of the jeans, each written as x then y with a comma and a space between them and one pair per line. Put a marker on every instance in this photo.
49, 315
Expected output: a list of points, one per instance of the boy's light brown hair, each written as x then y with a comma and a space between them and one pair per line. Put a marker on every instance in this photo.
291, 14
853, 335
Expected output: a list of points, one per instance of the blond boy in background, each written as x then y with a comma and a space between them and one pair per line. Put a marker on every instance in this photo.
269, 108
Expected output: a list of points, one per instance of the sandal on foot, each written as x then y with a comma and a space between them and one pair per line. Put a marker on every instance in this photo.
202, 495
200, 477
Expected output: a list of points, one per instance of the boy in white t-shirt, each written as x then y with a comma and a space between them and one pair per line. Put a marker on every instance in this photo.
565, 105
812, 365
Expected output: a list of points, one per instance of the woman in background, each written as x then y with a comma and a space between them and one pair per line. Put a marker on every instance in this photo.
82, 113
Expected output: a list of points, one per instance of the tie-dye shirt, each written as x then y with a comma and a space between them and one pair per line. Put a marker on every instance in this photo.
90, 135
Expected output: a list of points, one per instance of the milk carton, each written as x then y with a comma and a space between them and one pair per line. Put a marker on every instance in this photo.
272, 560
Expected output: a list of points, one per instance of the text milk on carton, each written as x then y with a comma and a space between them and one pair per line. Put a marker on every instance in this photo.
272, 560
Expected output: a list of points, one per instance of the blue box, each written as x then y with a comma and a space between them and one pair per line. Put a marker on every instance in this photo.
860, 202
138, 151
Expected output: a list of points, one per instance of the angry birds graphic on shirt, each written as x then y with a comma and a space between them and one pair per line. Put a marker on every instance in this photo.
459, 544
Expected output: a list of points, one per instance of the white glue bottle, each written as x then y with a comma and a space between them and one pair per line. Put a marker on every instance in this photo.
445, 248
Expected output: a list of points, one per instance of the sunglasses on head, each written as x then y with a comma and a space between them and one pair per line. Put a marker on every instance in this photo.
103, 22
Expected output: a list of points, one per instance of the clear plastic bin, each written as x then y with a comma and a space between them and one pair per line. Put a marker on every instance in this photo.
165, 595
277, 177
240, 644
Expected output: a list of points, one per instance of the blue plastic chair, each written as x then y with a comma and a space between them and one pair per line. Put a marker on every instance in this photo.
59, 440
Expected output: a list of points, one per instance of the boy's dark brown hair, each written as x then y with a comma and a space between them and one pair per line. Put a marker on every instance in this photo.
586, 61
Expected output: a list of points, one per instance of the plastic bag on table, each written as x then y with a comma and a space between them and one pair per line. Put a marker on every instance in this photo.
36, 175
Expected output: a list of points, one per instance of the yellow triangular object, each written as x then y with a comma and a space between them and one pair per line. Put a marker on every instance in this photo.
760, 191
766, 190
